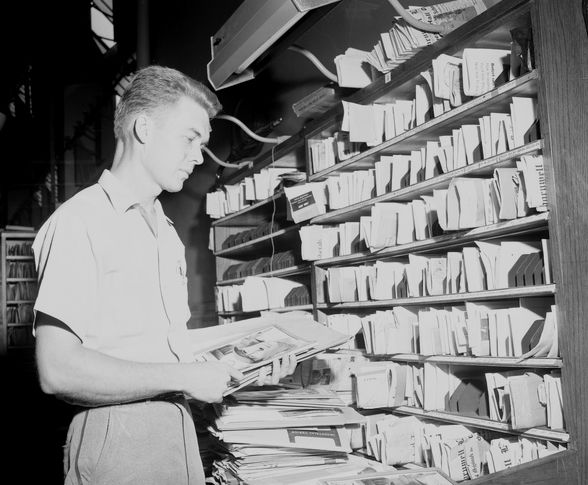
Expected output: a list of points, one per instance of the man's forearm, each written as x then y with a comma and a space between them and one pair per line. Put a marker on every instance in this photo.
83, 376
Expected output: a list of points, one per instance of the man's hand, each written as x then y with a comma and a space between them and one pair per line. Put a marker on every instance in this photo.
208, 381
280, 368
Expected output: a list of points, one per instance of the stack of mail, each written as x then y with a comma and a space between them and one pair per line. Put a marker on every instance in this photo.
279, 435
331, 370
260, 186
459, 452
508, 452
495, 328
506, 264
455, 450
388, 384
403, 41
252, 345
526, 399
261, 293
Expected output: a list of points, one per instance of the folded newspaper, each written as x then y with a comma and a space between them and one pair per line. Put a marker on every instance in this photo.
252, 344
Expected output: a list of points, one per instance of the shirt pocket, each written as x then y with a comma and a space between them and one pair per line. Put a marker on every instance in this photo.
122, 292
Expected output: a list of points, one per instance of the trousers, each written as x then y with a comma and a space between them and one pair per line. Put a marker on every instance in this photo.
147, 442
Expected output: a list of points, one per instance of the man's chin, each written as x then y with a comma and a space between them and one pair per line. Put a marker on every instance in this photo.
176, 187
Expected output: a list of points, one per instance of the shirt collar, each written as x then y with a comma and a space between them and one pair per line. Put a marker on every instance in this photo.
121, 198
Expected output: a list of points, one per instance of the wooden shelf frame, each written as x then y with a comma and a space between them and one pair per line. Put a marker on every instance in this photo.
561, 53
515, 362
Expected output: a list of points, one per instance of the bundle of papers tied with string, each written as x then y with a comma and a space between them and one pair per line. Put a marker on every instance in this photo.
252, 344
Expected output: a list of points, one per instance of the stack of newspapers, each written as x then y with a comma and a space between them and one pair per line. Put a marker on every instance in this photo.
282, 435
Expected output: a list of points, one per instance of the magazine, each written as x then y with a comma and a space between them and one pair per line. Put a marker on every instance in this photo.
256, 349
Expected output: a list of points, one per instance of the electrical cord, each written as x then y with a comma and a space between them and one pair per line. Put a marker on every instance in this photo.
312, 58
207, 150
246, 129
273, 218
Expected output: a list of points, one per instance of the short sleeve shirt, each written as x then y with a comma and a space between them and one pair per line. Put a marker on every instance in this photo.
117, 284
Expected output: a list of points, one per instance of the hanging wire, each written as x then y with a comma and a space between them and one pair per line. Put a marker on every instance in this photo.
246, 129
248, 164
312, 58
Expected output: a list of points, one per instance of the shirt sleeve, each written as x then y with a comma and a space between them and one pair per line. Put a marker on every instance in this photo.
66, 271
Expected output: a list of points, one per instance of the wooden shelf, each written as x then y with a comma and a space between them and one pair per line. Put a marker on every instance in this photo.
292, 271
276, 310
13, 241
256, 213
20, 258
540, 433
523, 225
291, 308
24, 236
538, 363
235, 313
283, 238
502, 294
481, 168
470, 112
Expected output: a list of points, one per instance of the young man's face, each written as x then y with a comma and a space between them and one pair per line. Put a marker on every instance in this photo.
175, 147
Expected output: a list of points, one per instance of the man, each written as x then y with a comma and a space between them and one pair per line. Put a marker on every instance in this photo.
112, 305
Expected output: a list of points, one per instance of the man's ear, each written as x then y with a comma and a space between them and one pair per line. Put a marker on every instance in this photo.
141, 129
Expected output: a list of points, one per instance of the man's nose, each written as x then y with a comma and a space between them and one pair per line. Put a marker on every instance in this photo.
197, 156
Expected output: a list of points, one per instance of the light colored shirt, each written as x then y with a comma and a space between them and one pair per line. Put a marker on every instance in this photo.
118, 285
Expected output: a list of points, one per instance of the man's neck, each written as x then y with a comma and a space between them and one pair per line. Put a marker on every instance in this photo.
129, 170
